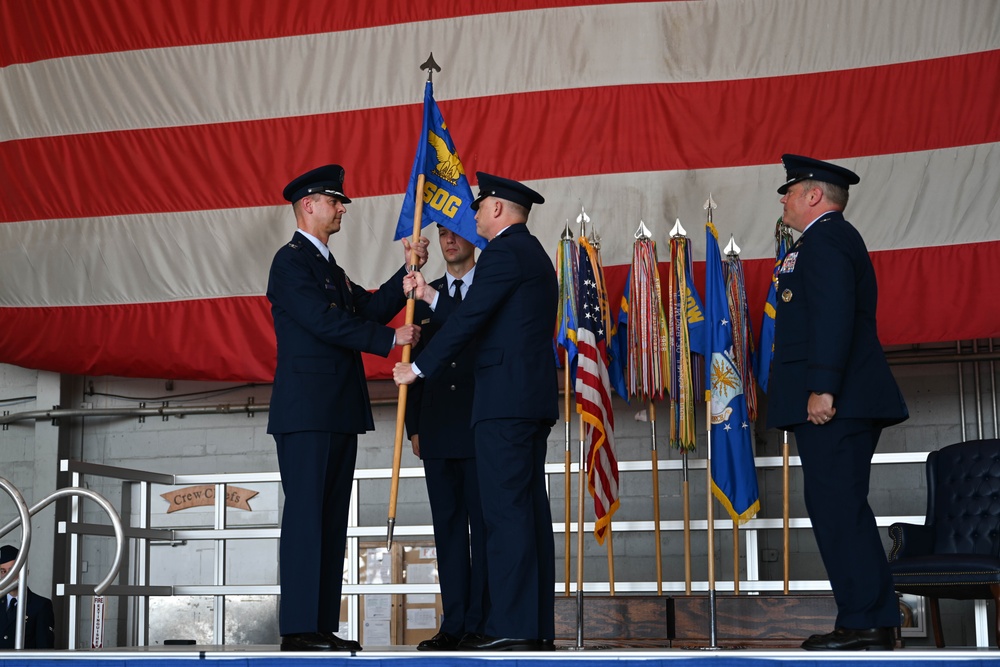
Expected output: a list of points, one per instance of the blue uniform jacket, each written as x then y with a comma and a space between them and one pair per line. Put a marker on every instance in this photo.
323, 322
438, 408
38, 628
515, 368
825, 335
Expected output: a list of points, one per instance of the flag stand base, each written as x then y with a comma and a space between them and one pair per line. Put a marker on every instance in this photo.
767, 620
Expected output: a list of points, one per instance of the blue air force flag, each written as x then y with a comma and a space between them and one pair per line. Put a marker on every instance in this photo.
734, 475
447, 194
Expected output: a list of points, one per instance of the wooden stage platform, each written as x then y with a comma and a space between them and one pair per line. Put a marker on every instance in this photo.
630, 631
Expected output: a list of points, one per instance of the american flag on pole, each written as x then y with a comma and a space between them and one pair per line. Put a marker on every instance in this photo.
593, 394
144, 145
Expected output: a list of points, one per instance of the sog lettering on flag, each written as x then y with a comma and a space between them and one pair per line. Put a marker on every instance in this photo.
446, 191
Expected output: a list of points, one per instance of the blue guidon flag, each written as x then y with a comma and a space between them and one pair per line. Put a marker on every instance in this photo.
447, 194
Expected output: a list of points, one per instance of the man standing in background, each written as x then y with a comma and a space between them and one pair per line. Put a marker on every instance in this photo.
438, 421
39, 620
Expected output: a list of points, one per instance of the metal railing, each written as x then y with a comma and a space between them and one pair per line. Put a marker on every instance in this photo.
24, 520
139, 589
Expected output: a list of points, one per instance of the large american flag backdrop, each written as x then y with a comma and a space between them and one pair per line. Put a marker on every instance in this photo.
144, 146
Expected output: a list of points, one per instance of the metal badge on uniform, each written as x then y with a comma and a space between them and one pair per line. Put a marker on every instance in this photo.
788, 265
423, 322
786, 296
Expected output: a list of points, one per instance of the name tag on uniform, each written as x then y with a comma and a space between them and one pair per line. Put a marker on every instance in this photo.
788, 265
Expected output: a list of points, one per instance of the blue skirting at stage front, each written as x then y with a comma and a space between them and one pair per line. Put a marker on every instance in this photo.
262, 657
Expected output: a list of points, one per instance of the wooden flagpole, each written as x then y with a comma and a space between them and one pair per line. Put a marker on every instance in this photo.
656, 499
710, 514
686, 493
678, 232
564, 240
785, 507
611, 559
568, 475
582, 484
411, 305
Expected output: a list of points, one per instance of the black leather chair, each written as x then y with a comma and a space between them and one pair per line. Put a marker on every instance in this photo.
956, 554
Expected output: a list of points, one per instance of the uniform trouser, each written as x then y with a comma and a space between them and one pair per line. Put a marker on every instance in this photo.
317, 472
836, 467
520, 548
460, 541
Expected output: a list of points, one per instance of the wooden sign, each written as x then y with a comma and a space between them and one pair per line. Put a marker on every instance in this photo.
200, 496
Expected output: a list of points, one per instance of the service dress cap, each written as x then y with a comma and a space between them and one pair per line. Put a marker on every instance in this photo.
504, 188
8, 553
800, 168
325, 180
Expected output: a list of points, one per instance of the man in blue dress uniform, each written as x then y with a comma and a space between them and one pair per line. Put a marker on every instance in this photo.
438, 421
319, 404
39, 619
831, 386
509, 313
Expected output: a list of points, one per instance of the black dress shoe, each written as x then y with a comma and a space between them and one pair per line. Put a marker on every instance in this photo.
486, 643
442, 641
342, 644
307, 641
318, 641
847, 639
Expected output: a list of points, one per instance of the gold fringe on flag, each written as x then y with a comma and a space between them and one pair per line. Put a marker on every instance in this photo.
683, 430
739, 317
647, 367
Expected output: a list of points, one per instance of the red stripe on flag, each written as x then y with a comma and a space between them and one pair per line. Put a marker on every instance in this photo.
98, 25
598, 416
233, 338
640, 128
944, 305
210, 339
230, 339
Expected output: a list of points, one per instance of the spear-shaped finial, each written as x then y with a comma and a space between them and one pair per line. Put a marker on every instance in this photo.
710, 206
567, 234
431, 67
732, 249
582, 220
643, 233
594, 238
678, 230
